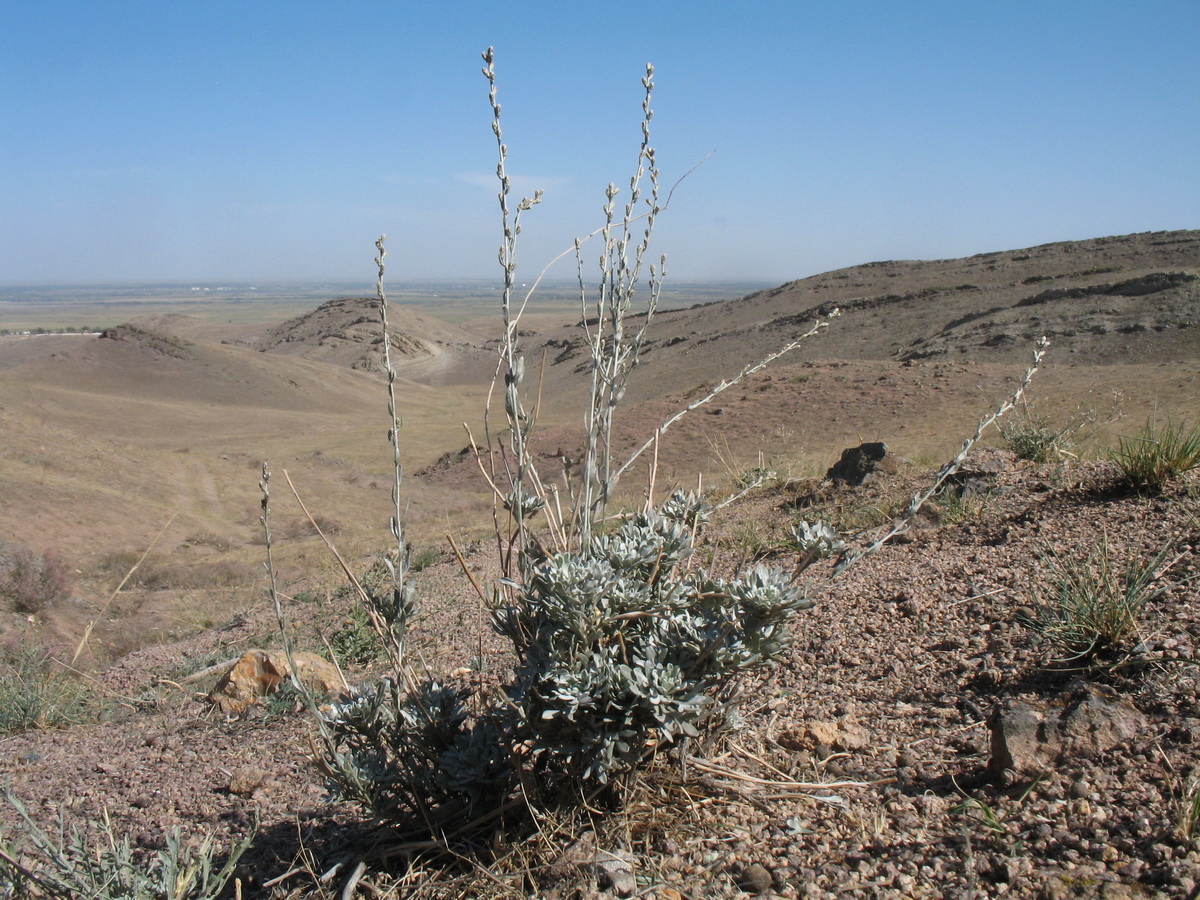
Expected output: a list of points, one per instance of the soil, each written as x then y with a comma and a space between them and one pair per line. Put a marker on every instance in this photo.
861, 767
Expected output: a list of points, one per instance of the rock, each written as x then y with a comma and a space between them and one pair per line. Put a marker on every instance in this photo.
756, 879
262, 672
246, 780
1031, 736
857, 464
843, 733
1151, 284
614, 871
578, 855
983, 461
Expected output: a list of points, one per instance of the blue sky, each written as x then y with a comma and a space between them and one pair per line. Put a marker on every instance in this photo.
259, 140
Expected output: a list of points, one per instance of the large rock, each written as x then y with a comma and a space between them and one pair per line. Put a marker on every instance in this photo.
262, 672
1030, 736
857, 464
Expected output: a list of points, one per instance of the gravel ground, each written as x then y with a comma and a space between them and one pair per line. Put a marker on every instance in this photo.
861, 766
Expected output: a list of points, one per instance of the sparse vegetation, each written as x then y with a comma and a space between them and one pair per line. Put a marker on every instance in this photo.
423, 559
30, 582
1187, 825
298, 529
356, 642
1091, 608
1030, 435
156, 573
985, 814
215, 541
108, 867
35, 693
1157, 455
959, 503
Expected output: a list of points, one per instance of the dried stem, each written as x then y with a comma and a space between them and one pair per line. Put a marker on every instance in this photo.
718, 389
400, 570
900, 525
512, 363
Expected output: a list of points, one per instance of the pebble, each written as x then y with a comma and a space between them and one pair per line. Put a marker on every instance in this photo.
757, 879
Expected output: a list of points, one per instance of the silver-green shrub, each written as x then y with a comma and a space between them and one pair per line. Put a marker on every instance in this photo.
68, 864
622, 645
817, 539
621, 649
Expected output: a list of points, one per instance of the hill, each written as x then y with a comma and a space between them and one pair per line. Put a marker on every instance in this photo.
345, 332
1123, 315
1116, 300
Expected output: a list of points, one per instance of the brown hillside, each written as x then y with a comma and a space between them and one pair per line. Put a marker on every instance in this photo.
107, 438
1114, 300
345, 332
918, 353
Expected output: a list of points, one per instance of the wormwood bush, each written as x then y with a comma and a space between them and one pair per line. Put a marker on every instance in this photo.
620, 651
622, 646
69, 865
30, 582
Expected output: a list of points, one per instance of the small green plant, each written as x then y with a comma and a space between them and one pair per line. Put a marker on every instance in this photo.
749, 540
984, 813
423, 559
1092, 606
34, 694
282, 702
1031, 436
356, 642
30, 582
1187, 825
69, 865
958, 505
857, 519
755, 477
1156, 455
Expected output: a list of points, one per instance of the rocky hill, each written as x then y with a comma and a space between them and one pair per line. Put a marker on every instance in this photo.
345, 332
1113, 300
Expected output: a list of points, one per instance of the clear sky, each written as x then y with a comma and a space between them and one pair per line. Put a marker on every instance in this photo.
208, 141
